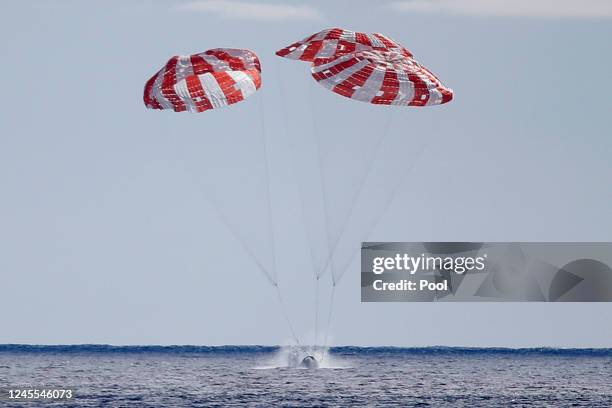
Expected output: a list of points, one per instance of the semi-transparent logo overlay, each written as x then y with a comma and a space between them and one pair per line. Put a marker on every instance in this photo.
486, 272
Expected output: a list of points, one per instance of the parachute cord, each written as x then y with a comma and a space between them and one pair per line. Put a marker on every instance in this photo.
230, 227
349, 213
301, 193
324, 197
267, 176
329, 317
316, 305
271, 221
389, 201
283, 97
323, 189
286, 315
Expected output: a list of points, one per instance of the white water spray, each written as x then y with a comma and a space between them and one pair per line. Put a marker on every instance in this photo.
290, 357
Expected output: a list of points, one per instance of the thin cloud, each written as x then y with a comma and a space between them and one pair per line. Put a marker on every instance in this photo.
243, 10
579, 9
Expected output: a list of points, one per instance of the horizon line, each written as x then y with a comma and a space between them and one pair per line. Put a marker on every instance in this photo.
101, 347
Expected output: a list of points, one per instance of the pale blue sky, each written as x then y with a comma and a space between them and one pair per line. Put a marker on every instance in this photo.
106, 233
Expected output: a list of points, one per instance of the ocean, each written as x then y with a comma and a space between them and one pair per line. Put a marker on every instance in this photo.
262, 376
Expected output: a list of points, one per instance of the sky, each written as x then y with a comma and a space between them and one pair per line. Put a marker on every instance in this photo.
123, 225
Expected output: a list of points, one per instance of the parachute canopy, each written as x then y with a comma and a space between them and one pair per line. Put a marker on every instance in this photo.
208, 80
381, 77
335, 42
369, 68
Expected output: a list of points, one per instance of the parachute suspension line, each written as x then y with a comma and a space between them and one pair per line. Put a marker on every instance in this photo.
267, 178
270, 220
316, 306
319, 273
301, 194
317, 140
386, 206
358, 192
210, 198
286, 315
332, 247
329, 316
391, 197
283, 99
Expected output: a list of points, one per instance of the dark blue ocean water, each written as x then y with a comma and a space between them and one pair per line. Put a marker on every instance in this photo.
195, 376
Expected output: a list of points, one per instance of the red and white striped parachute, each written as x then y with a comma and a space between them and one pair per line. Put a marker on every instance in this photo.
381, 77
335, 42
209, 80
369, 68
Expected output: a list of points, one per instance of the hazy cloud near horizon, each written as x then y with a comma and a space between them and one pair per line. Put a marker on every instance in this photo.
245, 10
509, 8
